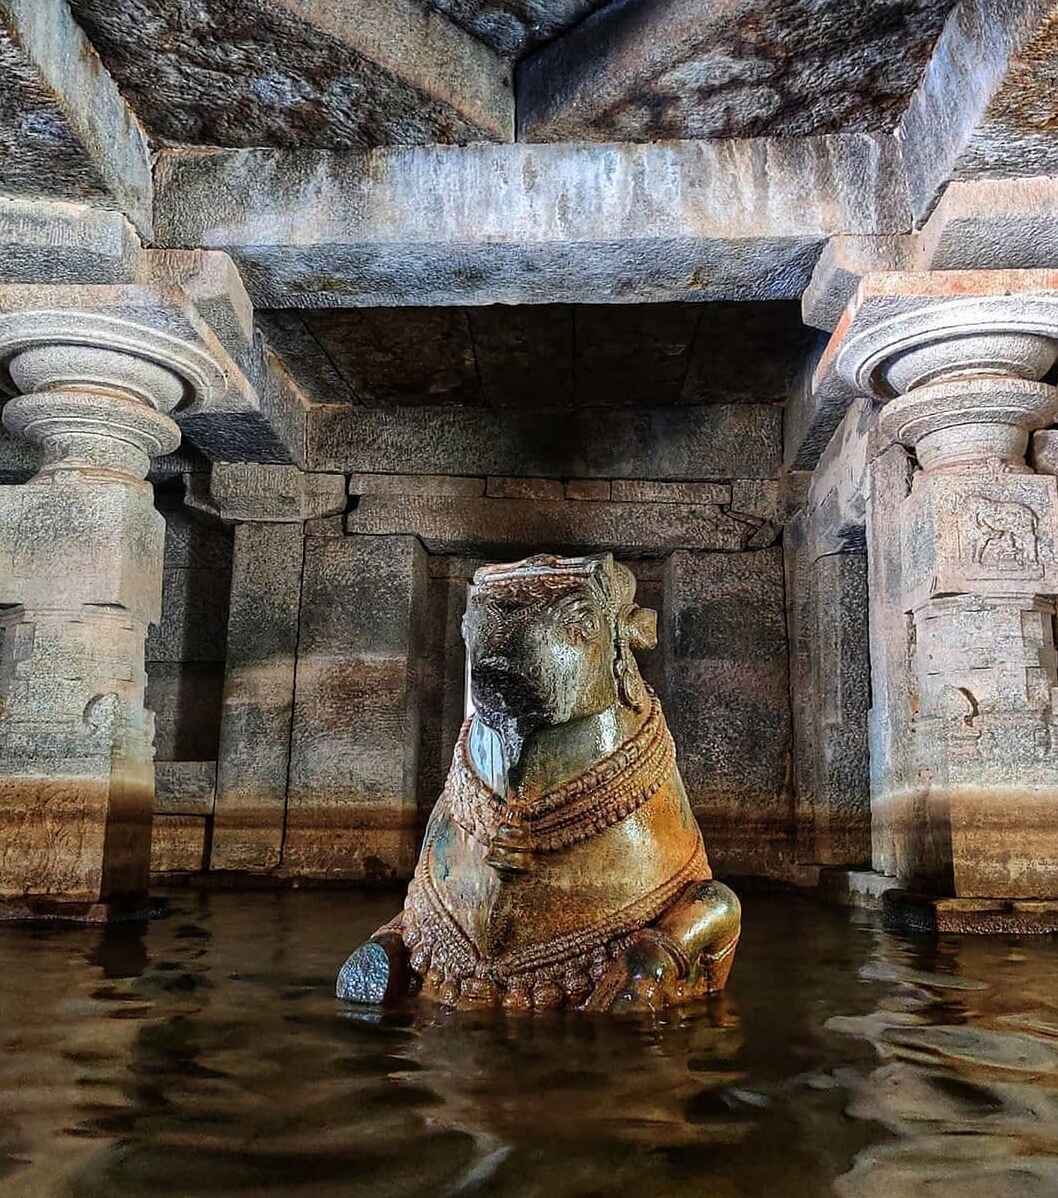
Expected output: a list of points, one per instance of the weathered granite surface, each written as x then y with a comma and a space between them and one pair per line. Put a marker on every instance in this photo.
687, 442
725, 649
571, 223
737, 69
352, 802
258, 698
301, 72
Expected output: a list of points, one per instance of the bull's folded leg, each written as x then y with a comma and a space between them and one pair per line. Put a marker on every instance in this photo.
378, 972
686, 954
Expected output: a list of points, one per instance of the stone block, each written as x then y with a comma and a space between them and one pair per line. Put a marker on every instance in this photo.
592, 489
669, 443
841, 699
416, 484
179, 844
514, 526
254, 753
67, 543
184, 787
186, 700
352, 806
1045, 451
191, 542
194, 623
639, 490
980, 535
244, 491
535, 224
524, 488
724, 641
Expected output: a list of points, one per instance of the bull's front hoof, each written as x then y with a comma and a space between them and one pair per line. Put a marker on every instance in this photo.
376, 973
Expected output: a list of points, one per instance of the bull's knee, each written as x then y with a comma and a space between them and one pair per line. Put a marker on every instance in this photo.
705, 923
377, 972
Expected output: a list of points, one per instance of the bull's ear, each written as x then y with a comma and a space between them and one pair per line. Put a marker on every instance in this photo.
642, 625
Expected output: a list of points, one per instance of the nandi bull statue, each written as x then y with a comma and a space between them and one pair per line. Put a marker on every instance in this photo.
562, 865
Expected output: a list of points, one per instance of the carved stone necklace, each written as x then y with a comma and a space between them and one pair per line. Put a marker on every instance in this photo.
575, 810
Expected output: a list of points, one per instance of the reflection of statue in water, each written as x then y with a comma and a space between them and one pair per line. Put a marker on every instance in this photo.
562, 865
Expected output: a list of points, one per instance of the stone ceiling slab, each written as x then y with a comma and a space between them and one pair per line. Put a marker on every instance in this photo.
547, 357
731, 69
65, 132
979, 91
514, 27
530, 224
335, 74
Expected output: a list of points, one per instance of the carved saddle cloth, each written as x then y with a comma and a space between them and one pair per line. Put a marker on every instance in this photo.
600, 857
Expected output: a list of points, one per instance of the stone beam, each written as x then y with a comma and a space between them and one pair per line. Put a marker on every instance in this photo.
326, 74
987, 224
65, 130
728, 69
678, 442
978, 101
481, 224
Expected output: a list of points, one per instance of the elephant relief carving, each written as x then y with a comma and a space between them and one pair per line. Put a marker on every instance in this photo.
573, 874
1006, 535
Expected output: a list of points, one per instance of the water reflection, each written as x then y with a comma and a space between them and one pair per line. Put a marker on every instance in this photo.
204, 1055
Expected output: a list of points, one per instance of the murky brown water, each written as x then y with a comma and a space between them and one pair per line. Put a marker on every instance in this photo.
204, 1054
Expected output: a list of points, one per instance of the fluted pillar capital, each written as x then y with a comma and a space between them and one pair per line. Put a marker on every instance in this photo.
958, 378
96, 392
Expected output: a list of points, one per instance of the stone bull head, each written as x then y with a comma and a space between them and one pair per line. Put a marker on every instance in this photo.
551, 642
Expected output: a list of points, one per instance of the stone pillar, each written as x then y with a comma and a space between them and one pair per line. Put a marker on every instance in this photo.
964, 577
268, 504
728, 704
352, 805
81, 548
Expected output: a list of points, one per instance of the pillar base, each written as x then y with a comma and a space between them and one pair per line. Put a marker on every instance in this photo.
907, 911
41, 909
864, 889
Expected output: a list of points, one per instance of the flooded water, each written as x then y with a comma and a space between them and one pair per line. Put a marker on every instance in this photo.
203, 1054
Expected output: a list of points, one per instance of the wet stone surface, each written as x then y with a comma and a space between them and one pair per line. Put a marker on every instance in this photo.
204, 1054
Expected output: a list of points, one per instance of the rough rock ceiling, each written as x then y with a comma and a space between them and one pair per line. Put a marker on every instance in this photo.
35, 139
738, 68
548, 356
353, 74
514, 27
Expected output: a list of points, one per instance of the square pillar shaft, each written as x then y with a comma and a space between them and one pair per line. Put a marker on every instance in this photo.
351, 809
80, 575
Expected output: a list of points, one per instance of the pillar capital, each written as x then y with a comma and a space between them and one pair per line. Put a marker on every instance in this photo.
96, 392
959, 377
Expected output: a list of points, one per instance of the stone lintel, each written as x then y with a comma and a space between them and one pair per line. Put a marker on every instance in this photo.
715, 441
236, 492
506, 526
607, 223
65, 130
971, 61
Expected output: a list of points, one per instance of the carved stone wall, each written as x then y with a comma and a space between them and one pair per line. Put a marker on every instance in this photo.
344, 685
